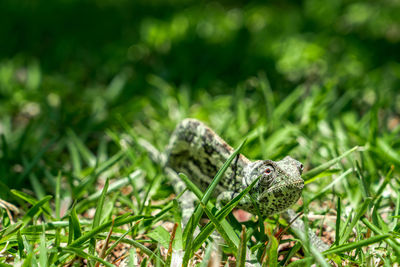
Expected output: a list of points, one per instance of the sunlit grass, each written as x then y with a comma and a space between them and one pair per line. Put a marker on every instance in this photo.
356, 206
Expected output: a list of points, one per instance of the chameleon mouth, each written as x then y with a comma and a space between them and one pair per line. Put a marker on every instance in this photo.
298, 185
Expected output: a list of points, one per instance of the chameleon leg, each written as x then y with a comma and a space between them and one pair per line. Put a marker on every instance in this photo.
298, 228
187, 200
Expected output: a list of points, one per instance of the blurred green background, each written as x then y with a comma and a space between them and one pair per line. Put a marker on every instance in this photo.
76, 69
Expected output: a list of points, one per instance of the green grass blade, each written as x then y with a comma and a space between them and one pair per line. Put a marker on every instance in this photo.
360, 212
291, 253
31, 200
35, 209
43, 248
38, 188
75, 158
387, 151
20, 245
70, 230
220, 227
100, 204
314, 172
338, 219
221, 173
81, 253
77, 142
354, 245
97, 216
58, 197
385, 182
132, 258
57, 241
24, 196
9, 231
160, 235
272, 252
76, 226
396, 211
124, 219
28, 260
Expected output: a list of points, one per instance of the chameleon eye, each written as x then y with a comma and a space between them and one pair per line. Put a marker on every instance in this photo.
268, 170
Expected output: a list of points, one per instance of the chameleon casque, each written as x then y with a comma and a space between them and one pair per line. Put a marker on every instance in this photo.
197, 151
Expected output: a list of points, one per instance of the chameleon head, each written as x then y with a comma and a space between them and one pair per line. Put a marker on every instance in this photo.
280, 184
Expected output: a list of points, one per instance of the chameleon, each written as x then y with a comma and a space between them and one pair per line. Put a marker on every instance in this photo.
197, 151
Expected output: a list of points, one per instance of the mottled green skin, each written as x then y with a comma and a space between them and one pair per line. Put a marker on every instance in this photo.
197, 151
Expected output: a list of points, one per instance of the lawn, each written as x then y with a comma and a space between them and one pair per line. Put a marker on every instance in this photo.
82, 82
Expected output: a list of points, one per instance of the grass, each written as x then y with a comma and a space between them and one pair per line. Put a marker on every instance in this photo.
318, 82
350, 198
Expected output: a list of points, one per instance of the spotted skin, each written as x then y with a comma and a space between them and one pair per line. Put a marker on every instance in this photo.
197, 151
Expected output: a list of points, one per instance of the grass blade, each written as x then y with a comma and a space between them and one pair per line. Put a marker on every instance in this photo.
97, 216
314, 172
31, 200
386, 151
43, 248
99, 208
360, 212
354, 245
20, 245
76, 227
220, 227
77, 142
35, 209
124, 219
81, 253
338, 218
272, 252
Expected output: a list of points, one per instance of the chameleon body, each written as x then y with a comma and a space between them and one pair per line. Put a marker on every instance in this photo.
197, 151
